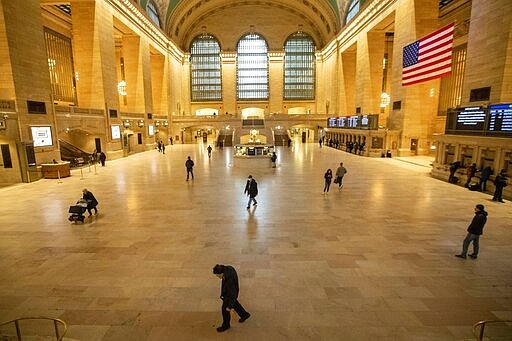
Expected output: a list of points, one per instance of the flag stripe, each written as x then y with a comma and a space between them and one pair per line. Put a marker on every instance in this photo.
446, 44
432, 69
429, 57
423, 79
427, 64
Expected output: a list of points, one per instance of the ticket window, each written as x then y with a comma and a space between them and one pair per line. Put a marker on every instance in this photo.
467, 157
449, 154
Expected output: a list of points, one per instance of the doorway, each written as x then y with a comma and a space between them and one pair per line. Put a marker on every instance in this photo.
97, 141
414, 146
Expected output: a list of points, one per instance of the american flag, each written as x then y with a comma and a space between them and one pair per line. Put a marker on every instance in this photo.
428, 58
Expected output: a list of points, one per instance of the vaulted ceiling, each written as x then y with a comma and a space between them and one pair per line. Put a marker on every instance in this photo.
228, 20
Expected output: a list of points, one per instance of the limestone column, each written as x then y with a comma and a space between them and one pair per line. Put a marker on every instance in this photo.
489, 61
94, 55
25, 77
228, 60
419, 103
137, 70
158, 84
370, 53
276, 76
348, 62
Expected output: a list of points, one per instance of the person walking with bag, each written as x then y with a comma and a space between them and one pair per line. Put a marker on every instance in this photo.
475, 230
251, 189
340, 173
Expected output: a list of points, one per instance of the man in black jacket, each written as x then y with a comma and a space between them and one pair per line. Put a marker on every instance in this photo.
251, 189
229, 295
475, 230
91, 201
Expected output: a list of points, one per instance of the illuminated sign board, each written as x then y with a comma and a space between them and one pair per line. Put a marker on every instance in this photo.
471, 118
42, 136
116, 132
500, 118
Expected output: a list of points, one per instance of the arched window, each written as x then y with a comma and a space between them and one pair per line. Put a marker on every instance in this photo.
205, 69
252, 68
353, 9
299, 67
153, 13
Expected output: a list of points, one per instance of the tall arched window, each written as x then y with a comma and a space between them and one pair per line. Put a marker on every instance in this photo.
353, 9
205, 69
252, 68
299, 67
153, 13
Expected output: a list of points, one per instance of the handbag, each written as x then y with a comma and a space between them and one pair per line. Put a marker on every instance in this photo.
336, 180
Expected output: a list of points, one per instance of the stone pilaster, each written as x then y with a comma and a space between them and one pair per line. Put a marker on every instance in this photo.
94, 54
413, 20
137, 70
228, 60
276, 74
370, 53
489, 61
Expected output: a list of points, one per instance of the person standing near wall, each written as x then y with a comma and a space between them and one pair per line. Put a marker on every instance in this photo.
485, 174
500, 182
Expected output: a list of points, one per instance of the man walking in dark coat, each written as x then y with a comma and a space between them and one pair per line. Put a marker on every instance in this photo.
251, 189
475, 230
229, 296
485, 174
189, 164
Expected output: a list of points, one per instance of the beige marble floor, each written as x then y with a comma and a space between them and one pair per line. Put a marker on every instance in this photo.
372, 262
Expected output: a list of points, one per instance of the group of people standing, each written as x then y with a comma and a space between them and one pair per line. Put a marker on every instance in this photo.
500, 181
340, 173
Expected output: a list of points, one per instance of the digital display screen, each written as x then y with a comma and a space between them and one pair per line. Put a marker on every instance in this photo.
364, 122
500, 118
42, 136
471, 118
116, 132
151, 130
354, 122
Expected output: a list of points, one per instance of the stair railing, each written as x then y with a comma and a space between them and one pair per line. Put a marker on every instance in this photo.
479, 335
56, 323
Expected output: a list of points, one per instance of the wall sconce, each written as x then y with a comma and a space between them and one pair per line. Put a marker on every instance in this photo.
126, 123
166, 123
121, 88
140, 123
157, 123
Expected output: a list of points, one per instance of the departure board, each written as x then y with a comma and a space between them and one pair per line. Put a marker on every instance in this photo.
354, 122
500, 118
471, 118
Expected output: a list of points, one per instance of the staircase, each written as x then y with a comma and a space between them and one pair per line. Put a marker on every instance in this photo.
74, 155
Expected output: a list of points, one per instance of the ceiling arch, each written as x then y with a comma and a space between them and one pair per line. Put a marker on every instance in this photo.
229, 20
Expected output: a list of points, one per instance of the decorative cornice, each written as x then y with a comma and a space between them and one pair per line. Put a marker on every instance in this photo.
133, 14
357, 25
